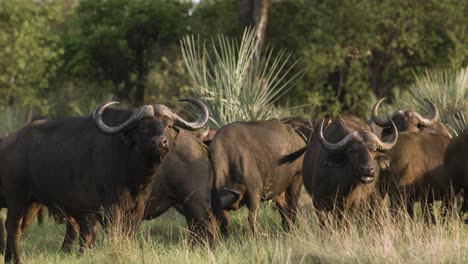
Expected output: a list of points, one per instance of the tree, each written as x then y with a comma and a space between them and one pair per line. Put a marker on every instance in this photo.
254, 14
30, 51
117, 41
355, 50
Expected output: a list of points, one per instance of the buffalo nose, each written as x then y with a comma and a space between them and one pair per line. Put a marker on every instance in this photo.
163, 142
160, 142
367, 170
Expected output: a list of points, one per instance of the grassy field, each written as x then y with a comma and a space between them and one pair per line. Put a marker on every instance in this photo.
163, 240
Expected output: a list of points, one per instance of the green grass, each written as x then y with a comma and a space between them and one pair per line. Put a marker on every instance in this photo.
164, 240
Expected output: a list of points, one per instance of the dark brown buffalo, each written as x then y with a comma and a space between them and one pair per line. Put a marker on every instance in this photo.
94, 167
456, 168
343, 164
184, 181
244, 158
416, 160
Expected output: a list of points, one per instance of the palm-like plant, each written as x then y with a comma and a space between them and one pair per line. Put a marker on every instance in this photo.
448, 89
233, 82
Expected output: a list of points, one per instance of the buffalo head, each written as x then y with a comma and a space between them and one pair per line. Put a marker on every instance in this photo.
150, 126
410, 121
360, 150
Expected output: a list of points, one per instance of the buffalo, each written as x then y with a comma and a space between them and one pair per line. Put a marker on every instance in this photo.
184, 181
416, 160
92, 168
244, 158
410, 121
416, 173
343, 164
455, 167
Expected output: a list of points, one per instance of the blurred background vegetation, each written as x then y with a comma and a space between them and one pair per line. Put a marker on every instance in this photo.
65, 57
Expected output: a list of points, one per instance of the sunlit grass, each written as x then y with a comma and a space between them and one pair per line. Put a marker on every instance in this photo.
365, 240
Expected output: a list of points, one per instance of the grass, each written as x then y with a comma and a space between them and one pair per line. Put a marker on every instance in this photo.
163, 240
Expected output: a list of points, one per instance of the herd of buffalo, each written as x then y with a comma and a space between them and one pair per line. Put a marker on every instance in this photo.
117, 167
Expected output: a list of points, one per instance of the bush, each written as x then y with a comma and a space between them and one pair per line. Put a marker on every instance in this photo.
234, 83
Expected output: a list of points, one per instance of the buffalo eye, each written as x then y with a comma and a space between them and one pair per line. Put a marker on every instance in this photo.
353, 151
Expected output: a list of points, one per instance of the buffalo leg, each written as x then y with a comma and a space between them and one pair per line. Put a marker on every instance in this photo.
464, 207
401, 205
410, 207
253, 204
199, 220
280, 202
427, 204
41, 215
30, 214
225, 222
87, 225
70, 235
13, 226
292, 200
2, 232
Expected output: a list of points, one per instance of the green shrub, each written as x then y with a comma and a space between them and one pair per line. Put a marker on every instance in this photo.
235, 84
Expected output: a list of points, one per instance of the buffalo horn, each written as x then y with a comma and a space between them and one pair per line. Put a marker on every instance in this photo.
431, 120
163, 110
391, 142
228, 200
383, 122
339, 145
144, 111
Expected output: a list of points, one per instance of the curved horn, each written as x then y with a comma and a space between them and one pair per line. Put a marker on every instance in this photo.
431, 120
338, 145
391, 142
228, 200
203, 134
163, 110
144, 111
381, 122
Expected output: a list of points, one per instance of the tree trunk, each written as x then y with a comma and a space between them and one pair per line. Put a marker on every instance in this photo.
141, 77
254, 13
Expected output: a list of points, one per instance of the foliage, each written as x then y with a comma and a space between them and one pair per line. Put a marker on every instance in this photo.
29, 51
352, 50
448, 89
212, 17
235, 84
116, 42
13, 118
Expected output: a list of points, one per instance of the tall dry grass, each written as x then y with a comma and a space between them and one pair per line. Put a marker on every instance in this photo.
368, 238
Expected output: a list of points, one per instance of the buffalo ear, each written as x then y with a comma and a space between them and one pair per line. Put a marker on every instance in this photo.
383, 161
334, 161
